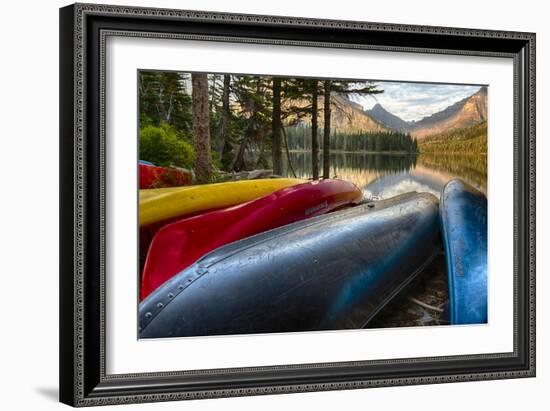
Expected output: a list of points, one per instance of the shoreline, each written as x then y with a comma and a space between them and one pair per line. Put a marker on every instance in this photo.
393, 153
357, 152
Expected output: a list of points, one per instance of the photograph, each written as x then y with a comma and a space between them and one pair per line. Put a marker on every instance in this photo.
278, 204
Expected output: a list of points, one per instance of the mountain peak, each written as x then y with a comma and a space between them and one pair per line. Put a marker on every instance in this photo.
464, 113
379, 107
387, 119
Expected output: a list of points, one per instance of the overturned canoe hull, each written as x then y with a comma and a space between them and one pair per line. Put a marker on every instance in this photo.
177, 245
161, 204
463, 212
151, 176
334, 271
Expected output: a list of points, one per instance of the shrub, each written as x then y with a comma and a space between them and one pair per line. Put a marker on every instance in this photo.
164, 146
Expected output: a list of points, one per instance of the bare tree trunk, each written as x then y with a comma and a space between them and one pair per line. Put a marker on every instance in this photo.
226, 114
251, 133
170, 107
160, 104
314, 140
260, 161
213, 91
326, 132
238, 163
201, 128
276, 126
289, 160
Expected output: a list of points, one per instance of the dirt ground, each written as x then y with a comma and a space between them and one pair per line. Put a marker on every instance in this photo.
405, 310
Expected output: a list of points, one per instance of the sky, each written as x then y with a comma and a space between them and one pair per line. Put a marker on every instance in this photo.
413, 101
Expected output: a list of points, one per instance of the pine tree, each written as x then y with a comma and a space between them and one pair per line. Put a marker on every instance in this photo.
326, 129
276, 126
314, 138
223, 135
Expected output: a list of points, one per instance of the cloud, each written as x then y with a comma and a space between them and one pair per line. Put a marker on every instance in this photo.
413, 101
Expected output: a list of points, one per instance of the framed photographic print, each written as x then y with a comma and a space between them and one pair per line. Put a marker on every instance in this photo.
261, 204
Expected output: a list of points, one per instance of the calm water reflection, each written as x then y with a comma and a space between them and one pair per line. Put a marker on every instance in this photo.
386, 175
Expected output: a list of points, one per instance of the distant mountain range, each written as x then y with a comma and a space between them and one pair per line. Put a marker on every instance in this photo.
348, 116
464, 113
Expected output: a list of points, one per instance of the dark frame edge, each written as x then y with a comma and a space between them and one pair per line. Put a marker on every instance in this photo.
524, 200
529, 135
66, 202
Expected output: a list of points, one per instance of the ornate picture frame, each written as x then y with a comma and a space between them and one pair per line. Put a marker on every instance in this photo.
84, 29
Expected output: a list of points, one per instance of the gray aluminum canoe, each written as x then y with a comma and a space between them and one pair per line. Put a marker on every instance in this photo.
330, 272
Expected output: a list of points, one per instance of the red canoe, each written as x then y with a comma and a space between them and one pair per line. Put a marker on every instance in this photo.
156, 177
180, 244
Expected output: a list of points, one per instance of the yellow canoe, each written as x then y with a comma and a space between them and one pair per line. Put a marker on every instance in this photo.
158, 204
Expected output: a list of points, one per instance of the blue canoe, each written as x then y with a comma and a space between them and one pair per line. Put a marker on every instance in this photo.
330, 272
463, 211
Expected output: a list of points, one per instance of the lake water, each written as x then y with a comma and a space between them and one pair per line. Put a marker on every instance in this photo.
386, 175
